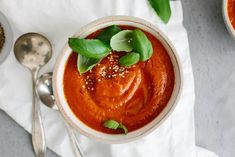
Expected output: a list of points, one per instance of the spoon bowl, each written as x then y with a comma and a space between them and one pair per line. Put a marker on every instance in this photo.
32, 50
45, 91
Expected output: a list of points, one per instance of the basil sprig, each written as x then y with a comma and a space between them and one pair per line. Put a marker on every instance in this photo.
107, 33
112, 124
92, 51
132, 40
162, 8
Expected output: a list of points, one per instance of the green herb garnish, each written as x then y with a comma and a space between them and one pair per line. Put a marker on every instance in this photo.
129, 59
92, 51
107, 33
85, 64
112, 124
91, 48
122, 41
162, 8
128, 40
142, 45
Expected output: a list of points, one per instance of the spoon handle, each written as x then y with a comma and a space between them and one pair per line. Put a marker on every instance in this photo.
38, 137
73, 139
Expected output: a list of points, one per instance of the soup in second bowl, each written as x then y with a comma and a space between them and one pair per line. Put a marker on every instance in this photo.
231, 12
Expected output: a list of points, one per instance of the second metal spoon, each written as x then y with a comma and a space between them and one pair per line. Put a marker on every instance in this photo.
45, 92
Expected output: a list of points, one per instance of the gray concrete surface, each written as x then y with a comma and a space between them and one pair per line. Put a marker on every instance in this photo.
213, 59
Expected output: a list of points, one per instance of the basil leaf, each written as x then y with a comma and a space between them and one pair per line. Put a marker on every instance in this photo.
142, 45
129, 59
107, 33
85, 64
162, 8
122, 41
91, 48
112, 124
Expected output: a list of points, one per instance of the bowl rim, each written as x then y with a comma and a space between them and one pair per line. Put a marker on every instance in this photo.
161, 119
7, 46
227, 21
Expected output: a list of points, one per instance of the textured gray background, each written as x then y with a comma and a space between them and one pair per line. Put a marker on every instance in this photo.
213, 59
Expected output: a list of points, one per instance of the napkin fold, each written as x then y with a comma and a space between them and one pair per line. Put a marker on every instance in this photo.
59, 19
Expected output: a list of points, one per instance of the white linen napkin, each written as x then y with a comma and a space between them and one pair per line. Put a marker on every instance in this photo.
58, 20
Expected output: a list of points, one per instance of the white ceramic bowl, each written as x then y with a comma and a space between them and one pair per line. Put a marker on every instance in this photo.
227, 22
6, 49
59, 72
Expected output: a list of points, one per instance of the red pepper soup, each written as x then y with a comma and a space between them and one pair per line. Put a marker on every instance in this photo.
133, 95
231, 12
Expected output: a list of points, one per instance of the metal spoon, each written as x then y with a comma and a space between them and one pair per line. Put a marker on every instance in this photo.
45, 92
33, 51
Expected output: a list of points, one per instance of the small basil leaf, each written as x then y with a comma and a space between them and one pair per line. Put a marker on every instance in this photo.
122, 41
91, 48
162, 8
85, 64
142, 45
112, 124
107, 33
123, 127
129, 59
